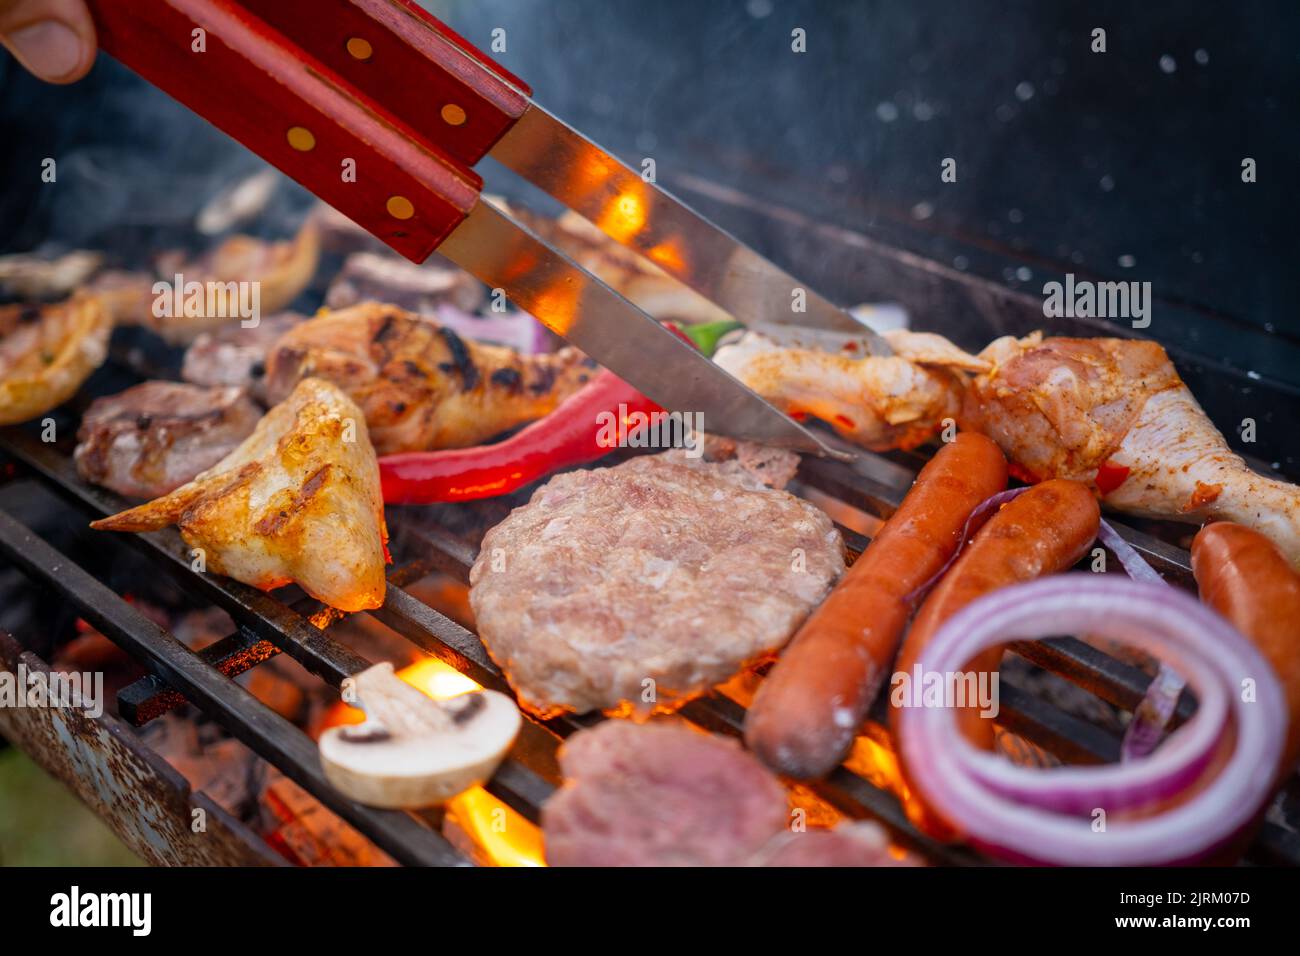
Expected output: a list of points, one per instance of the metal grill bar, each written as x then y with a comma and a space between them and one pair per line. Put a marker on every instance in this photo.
1112, 680
149, 697
261, 729
260, 612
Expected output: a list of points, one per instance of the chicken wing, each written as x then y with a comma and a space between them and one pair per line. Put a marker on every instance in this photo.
876, 402
1115, 414
297, 501
46, 352
422, 386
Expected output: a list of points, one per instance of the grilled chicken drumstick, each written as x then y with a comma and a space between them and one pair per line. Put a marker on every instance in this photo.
1114, 414
422, 386
297, 501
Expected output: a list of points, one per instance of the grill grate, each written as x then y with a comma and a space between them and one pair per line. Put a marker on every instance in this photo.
267, 626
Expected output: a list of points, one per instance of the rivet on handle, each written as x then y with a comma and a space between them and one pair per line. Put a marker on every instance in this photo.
399, 207
360, 48
301, 139
453, 115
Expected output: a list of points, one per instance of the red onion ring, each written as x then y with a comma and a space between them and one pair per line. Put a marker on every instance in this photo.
1157, 708
1045, 816
1135, 566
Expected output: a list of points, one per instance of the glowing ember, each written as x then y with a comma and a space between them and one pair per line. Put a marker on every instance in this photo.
501, 833
873, 758
326, 616
504, 837
437, 679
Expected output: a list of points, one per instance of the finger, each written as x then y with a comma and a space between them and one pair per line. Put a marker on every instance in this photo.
54, 39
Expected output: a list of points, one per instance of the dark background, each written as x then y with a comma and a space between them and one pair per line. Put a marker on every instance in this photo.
1107, 165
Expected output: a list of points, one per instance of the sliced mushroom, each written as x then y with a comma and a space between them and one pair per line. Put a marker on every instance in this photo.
415, 751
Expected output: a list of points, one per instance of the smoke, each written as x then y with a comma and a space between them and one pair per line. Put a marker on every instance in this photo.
133, 169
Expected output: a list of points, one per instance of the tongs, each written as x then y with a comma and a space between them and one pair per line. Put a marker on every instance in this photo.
382, 111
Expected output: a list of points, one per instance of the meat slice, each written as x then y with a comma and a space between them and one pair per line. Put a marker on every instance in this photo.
367, 276
278, 270
637, 587
878, 402
234, 355
38, 278
663, 794
659, 795
848, 844
156, 436
774, 467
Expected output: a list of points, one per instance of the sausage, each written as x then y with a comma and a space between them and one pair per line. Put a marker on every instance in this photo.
1242, 575
1045, 530
809, 708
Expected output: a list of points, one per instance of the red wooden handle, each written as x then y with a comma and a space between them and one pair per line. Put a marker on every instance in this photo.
293, 110
417, 67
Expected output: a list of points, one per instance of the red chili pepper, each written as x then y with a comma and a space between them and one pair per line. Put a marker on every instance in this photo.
1110, 476
573, 434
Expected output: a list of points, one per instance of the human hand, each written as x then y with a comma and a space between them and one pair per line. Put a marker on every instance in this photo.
54, 39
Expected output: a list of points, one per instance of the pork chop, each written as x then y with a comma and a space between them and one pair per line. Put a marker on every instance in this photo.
664, 794
156, 436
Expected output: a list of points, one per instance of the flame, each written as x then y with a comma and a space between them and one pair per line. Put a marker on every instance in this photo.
437, 679
873, 758
505, 837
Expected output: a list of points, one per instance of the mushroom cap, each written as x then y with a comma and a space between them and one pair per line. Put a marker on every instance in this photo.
461, 744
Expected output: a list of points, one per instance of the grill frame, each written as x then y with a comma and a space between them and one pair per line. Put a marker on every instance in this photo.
267, 626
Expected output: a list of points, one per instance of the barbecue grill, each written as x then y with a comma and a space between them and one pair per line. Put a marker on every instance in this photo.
151, 807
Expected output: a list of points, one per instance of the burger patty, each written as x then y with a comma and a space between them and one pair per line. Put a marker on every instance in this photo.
637, 587
662, 794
